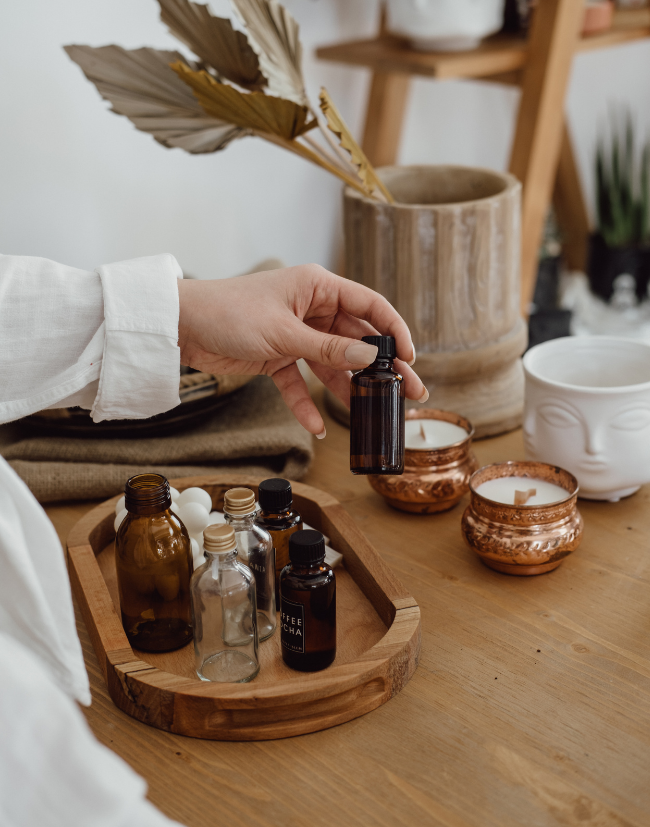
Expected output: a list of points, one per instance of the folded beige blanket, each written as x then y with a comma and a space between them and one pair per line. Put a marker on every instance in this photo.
254, 433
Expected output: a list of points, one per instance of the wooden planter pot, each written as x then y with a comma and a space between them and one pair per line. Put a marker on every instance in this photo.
447, 257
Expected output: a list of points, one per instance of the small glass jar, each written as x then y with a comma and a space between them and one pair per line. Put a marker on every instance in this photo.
255, 550
223, 612
153, 560
278, 516
377, 413
308, 605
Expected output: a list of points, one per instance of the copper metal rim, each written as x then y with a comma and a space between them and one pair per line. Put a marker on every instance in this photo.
536, 470
520, 571
444, 416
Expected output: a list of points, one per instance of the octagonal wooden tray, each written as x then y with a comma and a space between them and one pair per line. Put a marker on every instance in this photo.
378, 638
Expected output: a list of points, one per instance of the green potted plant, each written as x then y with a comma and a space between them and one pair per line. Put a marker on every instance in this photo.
621, 244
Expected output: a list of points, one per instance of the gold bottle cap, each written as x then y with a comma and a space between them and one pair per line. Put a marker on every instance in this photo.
239, 501
219, 539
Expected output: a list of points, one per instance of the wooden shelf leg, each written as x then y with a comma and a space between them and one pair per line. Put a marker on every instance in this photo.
538, 134
384, 117
570, 207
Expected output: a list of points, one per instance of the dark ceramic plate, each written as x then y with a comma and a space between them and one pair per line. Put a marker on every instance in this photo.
197, 405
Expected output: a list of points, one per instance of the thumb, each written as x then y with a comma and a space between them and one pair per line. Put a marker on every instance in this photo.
336, 352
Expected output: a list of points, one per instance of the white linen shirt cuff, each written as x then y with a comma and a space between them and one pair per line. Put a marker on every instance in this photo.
141, 360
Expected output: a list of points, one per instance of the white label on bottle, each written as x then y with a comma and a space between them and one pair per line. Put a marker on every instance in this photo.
292, 626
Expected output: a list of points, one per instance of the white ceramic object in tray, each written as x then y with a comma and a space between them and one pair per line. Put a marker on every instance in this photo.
445, 25
587, 409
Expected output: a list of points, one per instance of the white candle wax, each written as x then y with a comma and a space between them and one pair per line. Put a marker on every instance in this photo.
429, 434
502, 490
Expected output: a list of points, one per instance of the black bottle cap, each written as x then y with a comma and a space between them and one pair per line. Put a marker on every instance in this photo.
275, 495
306, 547
385, 345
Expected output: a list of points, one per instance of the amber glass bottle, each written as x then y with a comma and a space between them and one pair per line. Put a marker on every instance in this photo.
153, 558
278, 517
308, 605
377, 414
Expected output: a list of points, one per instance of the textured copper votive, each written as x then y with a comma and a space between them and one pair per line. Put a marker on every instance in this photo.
435, 479
523, 539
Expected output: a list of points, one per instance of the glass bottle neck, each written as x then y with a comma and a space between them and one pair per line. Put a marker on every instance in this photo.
224, 559
308, 568
240, 522
147, 494
381, 363
277, 515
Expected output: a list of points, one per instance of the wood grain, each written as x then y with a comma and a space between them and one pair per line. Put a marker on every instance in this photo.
540, 120
493, 56
384, 117
531, 704
570, 207
541, 66
446, 255
378, 638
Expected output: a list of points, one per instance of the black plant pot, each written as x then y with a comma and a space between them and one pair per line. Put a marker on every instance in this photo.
547, 284
607, 263
548, 324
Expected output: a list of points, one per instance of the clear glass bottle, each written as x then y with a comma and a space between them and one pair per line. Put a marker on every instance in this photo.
377, 413
279, 518
223, 612
153, 559
255, 550
308, 605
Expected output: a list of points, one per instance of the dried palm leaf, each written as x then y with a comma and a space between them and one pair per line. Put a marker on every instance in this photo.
214, 40
252, 110
316, 158
337, 125
274, 35
140, 85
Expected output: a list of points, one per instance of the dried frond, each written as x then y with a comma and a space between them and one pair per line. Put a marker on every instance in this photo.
214, 40
274, 35
252, 110
140, 85
337, 125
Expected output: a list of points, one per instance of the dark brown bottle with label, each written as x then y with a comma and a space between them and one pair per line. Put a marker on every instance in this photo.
153, 559
307, 605
278, 517
377, 414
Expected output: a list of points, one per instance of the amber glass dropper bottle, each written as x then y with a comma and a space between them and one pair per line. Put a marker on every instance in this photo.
377, 413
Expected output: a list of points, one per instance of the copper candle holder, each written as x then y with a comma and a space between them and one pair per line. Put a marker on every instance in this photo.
523, 539
434, 479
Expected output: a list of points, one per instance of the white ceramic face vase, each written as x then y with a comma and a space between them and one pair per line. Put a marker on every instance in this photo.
445, 25
587, 409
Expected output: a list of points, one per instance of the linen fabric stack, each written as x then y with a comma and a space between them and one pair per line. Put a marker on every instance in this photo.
253, 433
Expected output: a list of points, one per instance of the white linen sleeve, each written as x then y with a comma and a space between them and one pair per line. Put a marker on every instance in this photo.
53, 772
105, 340
142, 361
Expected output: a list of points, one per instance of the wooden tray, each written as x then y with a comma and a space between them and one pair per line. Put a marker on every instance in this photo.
378, 638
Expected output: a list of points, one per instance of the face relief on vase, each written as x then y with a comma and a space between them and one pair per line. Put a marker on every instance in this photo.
430, 434
519, 491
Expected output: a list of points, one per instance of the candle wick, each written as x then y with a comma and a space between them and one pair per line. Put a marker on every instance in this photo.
522, 497
423, 433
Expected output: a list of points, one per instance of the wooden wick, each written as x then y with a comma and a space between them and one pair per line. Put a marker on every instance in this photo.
522, 497
423, 433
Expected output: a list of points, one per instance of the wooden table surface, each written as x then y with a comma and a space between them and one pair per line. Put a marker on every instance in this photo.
530, 706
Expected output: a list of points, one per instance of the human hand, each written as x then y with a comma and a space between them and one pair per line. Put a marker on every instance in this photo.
264, 322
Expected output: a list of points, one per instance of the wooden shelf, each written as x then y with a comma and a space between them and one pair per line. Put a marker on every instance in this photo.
496, 55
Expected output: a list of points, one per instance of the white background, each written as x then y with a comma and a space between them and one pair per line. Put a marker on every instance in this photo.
82, 186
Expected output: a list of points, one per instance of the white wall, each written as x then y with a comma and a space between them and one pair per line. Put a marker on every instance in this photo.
82, 186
